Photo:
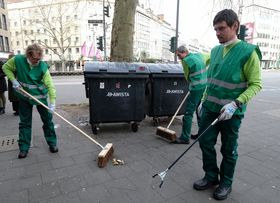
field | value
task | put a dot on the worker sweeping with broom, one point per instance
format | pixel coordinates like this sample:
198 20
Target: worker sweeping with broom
194 66
33 76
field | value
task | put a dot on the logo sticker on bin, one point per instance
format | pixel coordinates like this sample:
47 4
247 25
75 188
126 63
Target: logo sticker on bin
168 91
101 85
117 94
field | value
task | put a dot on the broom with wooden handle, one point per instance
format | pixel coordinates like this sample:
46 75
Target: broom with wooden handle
166 132
106 152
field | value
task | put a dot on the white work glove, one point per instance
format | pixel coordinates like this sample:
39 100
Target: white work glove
16 85
52 107
227 111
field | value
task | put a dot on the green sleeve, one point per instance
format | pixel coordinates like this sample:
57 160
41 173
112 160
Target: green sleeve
186 70
48 82
251 74
206 57
9 68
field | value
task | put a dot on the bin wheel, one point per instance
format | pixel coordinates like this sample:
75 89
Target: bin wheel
134 127
155 121
94 129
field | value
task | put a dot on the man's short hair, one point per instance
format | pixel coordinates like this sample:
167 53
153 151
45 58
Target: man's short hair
182 49
227 15
33 48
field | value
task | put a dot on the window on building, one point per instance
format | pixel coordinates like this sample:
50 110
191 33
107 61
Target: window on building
15 23
77 50
69 40
46 41
24 22
31 32
7 46
4 21
38 31
69 50
26 42
1 26
76 16
16 33
39 41
32 41
1 43
46 51
18 52
2 4
17 43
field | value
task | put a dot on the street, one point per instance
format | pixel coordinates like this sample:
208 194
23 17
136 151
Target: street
72 175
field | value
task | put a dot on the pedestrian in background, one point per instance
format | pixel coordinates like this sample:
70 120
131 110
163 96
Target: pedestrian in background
33 76
194 66
11 94
233 78
3 89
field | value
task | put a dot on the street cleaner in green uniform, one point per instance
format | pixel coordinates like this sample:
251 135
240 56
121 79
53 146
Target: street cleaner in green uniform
194 66
233 78
33 76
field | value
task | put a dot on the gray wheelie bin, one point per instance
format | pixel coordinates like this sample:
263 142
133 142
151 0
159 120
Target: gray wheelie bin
116 92
165 90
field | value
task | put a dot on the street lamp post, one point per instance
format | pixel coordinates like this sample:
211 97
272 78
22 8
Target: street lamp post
176 35
104 31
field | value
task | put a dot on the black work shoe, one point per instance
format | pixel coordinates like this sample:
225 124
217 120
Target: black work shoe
53 149
22 154
221 192
194 137
203 184
180 141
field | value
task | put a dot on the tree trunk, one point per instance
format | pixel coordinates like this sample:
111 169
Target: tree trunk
123 30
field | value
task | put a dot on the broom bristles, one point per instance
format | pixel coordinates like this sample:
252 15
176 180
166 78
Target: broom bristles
166 133
105 155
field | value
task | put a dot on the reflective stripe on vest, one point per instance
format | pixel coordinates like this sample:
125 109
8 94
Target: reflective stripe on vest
198 72
227 85
33 86
194 83
218 101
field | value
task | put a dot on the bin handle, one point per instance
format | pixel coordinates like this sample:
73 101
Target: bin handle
102 70
132 71
164 71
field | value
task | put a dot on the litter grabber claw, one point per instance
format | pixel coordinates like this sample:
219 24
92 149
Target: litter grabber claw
164 173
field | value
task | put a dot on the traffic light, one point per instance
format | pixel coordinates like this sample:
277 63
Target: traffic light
100 43
106 11
243 32
172 44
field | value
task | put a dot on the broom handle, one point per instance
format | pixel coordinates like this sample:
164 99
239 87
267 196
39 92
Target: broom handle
178 109
21 89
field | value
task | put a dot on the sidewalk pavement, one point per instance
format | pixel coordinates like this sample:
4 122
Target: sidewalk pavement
72 174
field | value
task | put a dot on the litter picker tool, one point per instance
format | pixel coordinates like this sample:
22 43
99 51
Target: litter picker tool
163 173
106 152
166 132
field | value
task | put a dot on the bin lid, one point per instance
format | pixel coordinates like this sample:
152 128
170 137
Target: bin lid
115 67
165 68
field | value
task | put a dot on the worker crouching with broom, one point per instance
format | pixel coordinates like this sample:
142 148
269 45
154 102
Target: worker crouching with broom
194 66
33 76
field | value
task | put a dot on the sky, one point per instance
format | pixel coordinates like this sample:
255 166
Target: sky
195 19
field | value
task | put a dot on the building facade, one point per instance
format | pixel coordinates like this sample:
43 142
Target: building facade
69 30
4 31
263 29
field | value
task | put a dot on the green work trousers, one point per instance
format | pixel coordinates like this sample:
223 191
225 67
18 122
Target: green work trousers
192 102
25 125
229 134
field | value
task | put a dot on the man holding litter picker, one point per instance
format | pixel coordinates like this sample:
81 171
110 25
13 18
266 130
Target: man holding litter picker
33 76
233 78
194 65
